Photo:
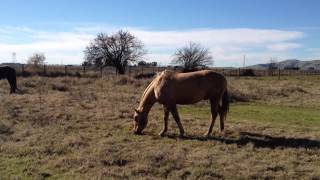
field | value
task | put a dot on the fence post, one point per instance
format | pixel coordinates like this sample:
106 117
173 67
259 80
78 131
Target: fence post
141 69
65 70
101 71
129 69
279 74
44 70
84 69
22 68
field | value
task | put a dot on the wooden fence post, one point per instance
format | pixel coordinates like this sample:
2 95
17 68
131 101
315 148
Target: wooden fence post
65 70
44 70
129 71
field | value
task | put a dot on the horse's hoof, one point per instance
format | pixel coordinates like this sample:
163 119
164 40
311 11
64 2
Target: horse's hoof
161 134
137 133
222 133
206 134
181 136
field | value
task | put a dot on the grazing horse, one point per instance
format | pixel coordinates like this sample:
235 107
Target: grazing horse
10 74
170 88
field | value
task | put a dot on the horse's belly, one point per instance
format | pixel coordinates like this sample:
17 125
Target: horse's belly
187 102
191 99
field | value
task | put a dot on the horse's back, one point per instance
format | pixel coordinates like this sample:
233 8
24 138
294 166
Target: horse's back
188 88
7 71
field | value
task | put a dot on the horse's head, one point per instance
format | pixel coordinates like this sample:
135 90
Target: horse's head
140 121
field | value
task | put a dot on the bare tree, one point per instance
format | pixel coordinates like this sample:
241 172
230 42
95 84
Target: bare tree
118 50
192 57
37 59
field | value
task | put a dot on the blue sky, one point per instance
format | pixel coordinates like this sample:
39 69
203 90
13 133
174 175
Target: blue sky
259 29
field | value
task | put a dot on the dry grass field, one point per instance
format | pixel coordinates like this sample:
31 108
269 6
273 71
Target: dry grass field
80 128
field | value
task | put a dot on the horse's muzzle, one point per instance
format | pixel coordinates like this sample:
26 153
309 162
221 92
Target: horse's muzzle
137 131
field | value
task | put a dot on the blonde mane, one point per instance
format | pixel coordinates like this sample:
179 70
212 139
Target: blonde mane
147 89
150 85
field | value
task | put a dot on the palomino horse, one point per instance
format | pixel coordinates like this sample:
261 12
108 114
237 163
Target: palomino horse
170 88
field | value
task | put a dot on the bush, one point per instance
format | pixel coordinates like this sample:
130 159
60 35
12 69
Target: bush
4 129
24 74
123 80
237 96
144 76
248 72
59 87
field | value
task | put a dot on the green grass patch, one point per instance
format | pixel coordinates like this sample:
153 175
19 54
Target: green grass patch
292 116
14 168
276 114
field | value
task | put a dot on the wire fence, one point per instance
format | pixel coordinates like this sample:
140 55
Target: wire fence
143 71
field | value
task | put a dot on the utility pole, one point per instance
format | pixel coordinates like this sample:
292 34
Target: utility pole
279 71
14 57
244 61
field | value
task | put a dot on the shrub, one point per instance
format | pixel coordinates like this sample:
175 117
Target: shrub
59 87
248 72
145 75
4 129
237 96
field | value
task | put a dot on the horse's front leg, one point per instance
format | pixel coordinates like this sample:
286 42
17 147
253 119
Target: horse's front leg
165 119
175 114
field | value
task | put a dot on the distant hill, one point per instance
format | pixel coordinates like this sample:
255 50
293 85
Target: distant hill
291 64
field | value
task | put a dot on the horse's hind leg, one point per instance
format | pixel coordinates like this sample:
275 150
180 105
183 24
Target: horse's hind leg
175 114
12 85
221 115
165 118
214 113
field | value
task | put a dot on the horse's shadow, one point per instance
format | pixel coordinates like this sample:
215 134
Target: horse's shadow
259 141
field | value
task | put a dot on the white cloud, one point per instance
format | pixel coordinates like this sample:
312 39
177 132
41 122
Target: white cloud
283 46
226 45
216 36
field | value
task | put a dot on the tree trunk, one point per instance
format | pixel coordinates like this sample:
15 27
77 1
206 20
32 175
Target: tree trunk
121 69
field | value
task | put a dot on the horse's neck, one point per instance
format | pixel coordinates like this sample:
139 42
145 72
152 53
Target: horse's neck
147 101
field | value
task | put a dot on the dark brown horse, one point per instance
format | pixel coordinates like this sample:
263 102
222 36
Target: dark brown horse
10 74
